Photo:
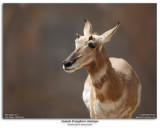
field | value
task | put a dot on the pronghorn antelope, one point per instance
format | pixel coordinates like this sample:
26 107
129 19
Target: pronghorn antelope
112 88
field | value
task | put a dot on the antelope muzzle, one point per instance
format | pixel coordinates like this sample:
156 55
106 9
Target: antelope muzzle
70 61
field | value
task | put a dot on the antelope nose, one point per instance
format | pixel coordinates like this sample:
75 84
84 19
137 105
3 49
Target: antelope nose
67 64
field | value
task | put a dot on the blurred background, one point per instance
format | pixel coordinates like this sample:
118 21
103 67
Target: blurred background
38 37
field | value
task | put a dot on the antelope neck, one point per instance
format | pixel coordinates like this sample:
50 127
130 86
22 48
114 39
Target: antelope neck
99 68
101 71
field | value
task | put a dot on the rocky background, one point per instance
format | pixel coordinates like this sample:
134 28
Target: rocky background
38 37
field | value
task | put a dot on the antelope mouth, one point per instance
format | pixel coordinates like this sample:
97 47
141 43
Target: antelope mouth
68 69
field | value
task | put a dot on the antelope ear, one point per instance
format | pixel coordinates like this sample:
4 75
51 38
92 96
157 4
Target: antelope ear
106 37
87 28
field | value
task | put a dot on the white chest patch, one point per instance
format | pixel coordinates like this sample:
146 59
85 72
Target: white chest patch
107 109
86 95
102 109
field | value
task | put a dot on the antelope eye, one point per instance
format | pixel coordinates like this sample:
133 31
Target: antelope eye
92 45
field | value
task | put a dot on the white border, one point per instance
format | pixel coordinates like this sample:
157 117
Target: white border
55 123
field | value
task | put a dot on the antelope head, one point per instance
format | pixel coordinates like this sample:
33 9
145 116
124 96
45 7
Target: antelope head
86 47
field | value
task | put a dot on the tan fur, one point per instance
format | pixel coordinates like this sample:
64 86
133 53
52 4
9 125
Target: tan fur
100 97
115 85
